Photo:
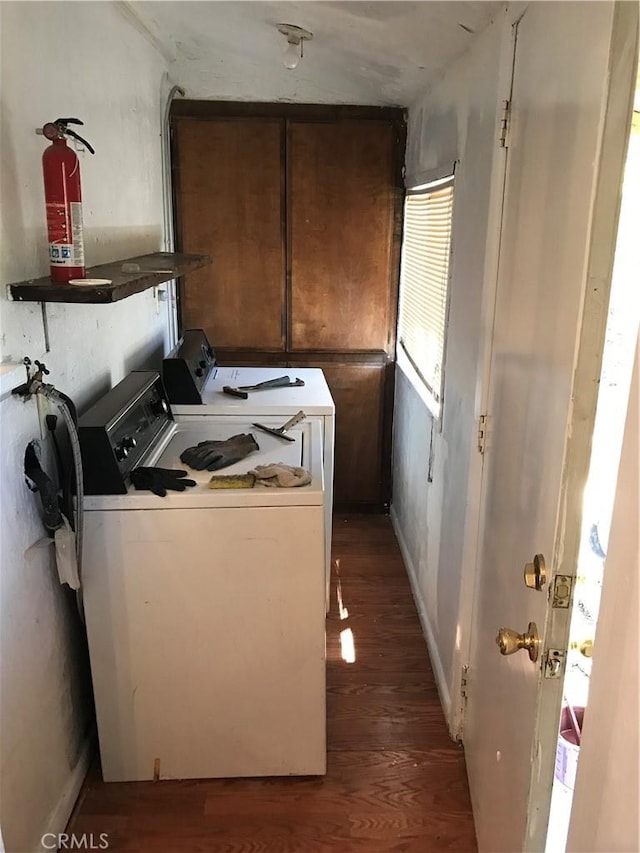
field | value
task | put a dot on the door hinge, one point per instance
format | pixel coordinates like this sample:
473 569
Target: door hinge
562 586
505 124
482 432
464 684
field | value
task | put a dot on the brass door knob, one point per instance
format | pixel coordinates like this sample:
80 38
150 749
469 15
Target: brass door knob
510 641
535 573
585 647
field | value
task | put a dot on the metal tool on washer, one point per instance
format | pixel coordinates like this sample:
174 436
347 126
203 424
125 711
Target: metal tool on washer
280 382
279 432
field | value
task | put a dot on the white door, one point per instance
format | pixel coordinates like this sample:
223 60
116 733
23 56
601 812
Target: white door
548 339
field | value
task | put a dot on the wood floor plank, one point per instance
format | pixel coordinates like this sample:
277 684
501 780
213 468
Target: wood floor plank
395 781
414 684
371 659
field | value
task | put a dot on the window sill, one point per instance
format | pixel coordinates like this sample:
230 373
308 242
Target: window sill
418 385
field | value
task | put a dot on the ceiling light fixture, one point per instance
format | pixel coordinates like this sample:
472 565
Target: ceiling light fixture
295 48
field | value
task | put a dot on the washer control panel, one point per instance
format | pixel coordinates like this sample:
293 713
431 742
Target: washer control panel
120 430
187 368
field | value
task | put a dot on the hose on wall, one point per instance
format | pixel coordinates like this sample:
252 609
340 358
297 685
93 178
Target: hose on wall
68 411
35 386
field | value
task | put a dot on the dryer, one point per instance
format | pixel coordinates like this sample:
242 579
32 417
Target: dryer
195 381
204 609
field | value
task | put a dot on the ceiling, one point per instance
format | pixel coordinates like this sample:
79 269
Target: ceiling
385 53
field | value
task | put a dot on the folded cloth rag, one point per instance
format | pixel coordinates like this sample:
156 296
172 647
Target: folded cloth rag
214 455
281 475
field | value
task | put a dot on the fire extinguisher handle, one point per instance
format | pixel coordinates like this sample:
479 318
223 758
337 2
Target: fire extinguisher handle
77 136
68 121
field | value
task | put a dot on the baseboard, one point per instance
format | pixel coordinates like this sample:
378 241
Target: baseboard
59 817
427 630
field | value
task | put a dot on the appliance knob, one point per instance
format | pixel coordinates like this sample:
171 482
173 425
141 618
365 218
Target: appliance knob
202 363
128 442
159 406
198 371
121 453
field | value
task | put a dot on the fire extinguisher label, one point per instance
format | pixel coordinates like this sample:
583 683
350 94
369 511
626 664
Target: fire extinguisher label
66 246
76 234
57 224
60 254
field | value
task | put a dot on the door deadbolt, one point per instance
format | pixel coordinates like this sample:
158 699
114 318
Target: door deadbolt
535 573
510 641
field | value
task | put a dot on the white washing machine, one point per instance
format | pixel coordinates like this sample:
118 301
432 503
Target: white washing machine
204 609
195 386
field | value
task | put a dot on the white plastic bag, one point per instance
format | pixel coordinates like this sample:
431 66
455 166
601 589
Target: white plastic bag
65 543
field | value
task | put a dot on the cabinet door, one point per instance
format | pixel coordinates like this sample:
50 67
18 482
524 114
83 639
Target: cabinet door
358 392
229 180
341 215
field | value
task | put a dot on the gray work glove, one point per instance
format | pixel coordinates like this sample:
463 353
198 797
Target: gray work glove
214 455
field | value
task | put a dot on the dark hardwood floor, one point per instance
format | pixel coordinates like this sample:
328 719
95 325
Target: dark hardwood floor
395 780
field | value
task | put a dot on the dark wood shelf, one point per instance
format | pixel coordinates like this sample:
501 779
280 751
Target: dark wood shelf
154 269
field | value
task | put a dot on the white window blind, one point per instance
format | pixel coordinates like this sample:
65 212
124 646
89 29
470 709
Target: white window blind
424 280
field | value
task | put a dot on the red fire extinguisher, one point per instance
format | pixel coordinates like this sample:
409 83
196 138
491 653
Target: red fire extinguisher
63 198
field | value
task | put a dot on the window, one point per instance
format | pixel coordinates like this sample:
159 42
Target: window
424 284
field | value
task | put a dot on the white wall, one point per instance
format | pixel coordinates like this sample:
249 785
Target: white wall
455 121
61 59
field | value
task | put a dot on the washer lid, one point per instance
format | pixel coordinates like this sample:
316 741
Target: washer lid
271 450
305 451
314 397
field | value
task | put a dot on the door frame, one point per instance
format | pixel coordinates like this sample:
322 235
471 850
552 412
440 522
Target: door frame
604 813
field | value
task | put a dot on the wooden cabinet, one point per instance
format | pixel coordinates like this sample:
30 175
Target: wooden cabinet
341 185
358 390
230 204
301 209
